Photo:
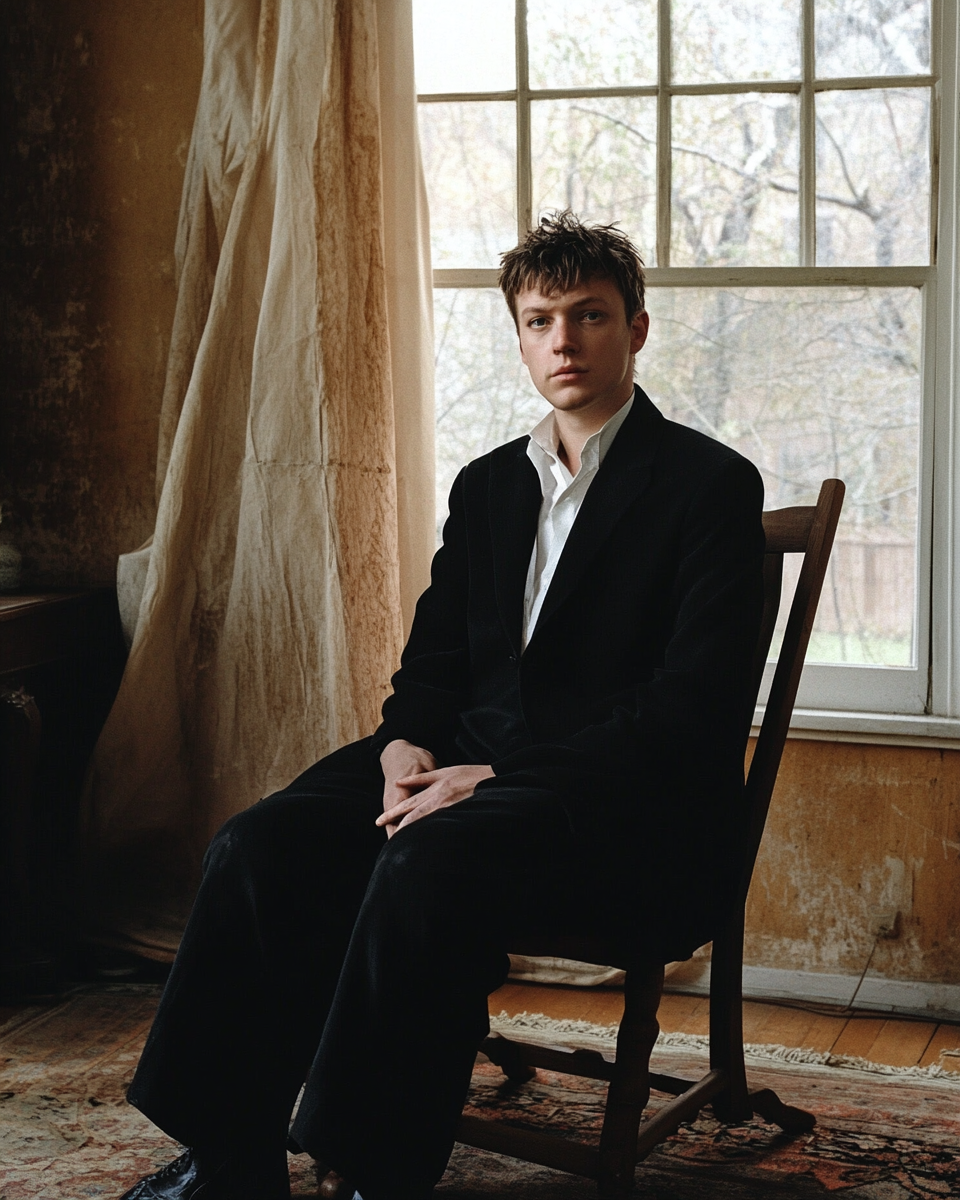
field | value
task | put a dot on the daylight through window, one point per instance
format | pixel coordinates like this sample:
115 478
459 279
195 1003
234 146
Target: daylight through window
774 160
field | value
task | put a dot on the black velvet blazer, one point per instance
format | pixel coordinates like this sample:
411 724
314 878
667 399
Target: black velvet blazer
632 698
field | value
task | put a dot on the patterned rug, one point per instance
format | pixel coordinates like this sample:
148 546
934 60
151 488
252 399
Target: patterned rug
66 1132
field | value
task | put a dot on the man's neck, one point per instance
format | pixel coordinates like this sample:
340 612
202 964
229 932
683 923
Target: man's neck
573 429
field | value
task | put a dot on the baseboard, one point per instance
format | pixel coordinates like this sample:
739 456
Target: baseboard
909 998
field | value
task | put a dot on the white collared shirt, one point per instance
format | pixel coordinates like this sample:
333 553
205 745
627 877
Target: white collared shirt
563 494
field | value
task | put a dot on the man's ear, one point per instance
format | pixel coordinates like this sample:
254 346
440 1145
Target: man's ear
639 328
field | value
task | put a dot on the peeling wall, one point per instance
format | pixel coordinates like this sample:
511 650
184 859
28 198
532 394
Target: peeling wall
99 97
98 100
856 831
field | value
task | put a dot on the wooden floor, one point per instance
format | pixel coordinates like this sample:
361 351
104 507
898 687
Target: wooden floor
896 1042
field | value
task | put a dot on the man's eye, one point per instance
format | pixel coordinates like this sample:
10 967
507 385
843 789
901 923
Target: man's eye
538 322
591 316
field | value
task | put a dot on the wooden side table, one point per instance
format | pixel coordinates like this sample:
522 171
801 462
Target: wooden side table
61 654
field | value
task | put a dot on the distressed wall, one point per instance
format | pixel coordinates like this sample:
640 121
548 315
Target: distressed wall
854 830
99 97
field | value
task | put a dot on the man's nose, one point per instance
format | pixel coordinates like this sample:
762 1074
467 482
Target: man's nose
564 339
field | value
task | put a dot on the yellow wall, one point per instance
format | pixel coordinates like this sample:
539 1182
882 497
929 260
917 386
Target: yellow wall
854 829
103 97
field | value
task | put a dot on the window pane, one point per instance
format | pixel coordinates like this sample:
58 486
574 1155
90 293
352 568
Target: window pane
873 177
812 384
735 178
469 159
460 46
592 45
598 157
484 394
730 40
872 37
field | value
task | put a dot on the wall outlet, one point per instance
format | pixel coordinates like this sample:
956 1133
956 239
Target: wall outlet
885 922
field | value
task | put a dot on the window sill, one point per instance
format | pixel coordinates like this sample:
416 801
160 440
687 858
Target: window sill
885 729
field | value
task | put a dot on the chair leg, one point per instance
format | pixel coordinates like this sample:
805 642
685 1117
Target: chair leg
732 1105
508 1056
767 1104
736 1103
629 1088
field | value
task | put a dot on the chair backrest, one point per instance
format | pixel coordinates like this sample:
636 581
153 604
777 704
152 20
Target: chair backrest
808 531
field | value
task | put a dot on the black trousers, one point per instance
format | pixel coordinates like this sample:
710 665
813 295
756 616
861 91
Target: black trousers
319 952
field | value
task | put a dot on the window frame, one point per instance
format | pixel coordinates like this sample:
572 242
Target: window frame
898 704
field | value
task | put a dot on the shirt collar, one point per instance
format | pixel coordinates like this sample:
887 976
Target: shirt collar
542 449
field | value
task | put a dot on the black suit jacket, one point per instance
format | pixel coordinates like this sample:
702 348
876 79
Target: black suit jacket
632 699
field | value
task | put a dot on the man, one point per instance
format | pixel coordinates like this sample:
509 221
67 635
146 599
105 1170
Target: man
563 752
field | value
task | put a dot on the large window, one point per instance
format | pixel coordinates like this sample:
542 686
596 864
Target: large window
778 164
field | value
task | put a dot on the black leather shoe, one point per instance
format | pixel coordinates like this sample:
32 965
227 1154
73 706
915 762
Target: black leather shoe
189 1177
335 1187
178 1180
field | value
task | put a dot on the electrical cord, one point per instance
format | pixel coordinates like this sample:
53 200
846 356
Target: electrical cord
863 975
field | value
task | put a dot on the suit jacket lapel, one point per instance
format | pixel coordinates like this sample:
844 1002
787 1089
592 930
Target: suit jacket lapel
514 507
623 475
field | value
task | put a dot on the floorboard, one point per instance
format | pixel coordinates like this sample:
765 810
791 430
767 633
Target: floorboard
858 1036
943 1048
676 1013
823 1032
902 1043
892 1041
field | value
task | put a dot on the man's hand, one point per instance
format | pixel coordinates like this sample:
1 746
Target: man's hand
427 791
401 760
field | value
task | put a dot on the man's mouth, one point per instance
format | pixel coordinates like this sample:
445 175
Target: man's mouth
569 371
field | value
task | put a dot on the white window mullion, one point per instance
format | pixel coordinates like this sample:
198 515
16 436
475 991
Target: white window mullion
945 633
808 141
524 168
727 277
937 64
664 135
864 83
926 619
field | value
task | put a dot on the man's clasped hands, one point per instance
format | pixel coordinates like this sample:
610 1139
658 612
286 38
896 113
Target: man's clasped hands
413 784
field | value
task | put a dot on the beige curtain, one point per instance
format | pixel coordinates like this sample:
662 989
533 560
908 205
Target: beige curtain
295 519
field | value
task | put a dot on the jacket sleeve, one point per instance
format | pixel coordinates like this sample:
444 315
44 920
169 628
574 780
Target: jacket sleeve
432 682
695 707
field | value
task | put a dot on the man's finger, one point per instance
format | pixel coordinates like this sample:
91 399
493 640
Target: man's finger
392 815
421 779
399 810
420 810
418 806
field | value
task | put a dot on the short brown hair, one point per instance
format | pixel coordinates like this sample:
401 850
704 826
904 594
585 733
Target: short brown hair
562 253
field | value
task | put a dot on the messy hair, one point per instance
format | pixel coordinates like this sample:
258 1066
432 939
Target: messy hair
562 252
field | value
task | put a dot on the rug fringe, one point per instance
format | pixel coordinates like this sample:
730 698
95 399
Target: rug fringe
537 1027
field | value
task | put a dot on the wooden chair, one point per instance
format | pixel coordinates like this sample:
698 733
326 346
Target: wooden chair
624 1142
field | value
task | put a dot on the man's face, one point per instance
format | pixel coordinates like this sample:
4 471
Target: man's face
578 346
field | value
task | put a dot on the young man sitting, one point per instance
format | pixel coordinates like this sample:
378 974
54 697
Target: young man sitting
562 752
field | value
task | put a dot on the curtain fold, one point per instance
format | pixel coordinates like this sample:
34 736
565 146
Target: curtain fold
409 301
295 524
